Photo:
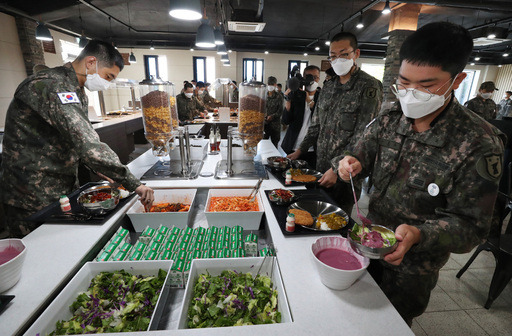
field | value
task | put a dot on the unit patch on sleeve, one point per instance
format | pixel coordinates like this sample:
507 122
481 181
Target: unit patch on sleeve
68 97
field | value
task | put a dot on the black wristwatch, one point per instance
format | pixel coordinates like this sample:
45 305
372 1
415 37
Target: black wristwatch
286 98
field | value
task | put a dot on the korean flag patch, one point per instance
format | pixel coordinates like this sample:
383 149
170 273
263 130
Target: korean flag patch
68 97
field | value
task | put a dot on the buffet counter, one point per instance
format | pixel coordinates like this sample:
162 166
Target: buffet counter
56 252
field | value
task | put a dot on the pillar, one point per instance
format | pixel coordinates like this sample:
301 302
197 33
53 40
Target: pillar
30 47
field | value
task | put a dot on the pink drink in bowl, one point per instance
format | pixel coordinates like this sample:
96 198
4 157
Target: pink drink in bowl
338 265
12 255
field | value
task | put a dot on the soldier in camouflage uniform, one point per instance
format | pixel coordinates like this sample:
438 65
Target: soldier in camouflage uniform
345 106
482 104
204 96
188 105
274 109
47 133
435 167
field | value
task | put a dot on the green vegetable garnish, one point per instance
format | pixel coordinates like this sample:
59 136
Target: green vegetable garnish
375 238
233 299
115 302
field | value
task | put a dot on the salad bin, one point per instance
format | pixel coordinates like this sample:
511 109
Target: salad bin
59 308
269 267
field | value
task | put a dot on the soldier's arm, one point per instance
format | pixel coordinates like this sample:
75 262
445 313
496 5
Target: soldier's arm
70 121
466 219
276 110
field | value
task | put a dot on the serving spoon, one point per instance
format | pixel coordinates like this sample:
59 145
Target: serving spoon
366 222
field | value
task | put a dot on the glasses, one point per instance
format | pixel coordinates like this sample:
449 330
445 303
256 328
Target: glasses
421 93
344 55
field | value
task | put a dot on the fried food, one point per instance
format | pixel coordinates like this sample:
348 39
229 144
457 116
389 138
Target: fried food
302 217
304 178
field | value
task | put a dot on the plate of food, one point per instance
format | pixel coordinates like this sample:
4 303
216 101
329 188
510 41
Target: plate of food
282 196
373 242
304 175
318 216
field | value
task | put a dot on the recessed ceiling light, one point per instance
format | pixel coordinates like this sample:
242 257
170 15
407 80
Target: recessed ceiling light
266 52
186 9
327 42
472 64
317 48
477 58
230 51
499 66
305 54
505 54
491 36
191 49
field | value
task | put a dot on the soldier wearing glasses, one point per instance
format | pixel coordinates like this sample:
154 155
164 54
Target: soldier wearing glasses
346 105
435 167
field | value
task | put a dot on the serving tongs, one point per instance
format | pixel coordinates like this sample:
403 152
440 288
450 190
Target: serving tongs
270 248
255 190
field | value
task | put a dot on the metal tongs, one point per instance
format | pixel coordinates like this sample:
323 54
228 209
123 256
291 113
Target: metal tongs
271 249
254 191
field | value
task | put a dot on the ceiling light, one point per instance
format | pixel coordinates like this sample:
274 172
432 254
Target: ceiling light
152 46
230 51
228 63
305 54
477 58
185 9
386 9
491 36
205 37
132 58
327 42
83 41
360 24
317 48
191 49
224 58
505 54
266 52
43 33
219 39
384 58
472 64
499 66
221 50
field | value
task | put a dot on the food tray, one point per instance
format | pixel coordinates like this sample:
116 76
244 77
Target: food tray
215 267
280 174
281 211
140 219
52 212
59 308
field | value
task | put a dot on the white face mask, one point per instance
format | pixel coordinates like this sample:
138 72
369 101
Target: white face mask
342 66
271 88
200 92
95 82
415 108
486 95
312 87
189 94
193 86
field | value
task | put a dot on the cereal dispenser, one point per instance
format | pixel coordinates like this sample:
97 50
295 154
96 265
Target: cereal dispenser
251 119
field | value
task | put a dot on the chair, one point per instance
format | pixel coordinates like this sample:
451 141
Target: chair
499 244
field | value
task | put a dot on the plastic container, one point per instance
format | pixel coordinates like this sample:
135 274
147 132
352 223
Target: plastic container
10 271
251 119
156 98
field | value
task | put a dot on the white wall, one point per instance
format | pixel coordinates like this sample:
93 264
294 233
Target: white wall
12 67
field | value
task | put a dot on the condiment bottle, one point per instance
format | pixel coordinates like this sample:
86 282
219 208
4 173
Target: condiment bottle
212 141
290 223
65 206
288 177
217 139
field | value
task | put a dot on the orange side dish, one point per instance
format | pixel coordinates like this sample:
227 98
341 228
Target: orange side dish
169 207
232 204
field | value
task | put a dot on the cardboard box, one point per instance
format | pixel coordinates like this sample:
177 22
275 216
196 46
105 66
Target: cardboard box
244 265
59 308
140 219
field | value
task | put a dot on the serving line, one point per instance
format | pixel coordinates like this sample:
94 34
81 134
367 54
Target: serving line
56 252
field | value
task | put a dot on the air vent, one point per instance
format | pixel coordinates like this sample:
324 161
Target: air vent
484 41
246 27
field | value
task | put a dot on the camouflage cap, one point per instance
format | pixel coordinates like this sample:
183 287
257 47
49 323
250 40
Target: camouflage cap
488 86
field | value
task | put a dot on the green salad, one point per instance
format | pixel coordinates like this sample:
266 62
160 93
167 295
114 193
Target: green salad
233 299
115 302
376 238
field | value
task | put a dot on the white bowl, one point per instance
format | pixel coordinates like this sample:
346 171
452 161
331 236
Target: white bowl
335 278
10 271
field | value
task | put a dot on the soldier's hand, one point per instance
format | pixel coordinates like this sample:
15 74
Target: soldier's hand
295 155
146 195
328 179
406 236
287 92
349 164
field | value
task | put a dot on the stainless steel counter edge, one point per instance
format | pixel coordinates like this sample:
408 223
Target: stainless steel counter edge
53 251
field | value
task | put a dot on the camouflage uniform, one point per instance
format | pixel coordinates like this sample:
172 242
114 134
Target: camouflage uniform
43 143
505 108
341 113
274 109
207 100
188 108
485 108
443 181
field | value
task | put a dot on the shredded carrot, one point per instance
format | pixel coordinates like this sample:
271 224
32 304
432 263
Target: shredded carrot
169 207
233 204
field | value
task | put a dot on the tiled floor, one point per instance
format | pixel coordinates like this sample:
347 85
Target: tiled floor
456 306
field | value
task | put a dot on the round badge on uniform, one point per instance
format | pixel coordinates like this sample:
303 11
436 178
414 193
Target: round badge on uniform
433 189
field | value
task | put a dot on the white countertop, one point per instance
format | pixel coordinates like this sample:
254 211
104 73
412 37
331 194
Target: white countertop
99 123
53 251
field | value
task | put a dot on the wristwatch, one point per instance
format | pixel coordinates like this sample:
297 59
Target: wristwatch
286 98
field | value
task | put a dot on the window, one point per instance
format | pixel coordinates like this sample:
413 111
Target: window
301 64
376 70
200 69
253 69
151 67
70 51
468 87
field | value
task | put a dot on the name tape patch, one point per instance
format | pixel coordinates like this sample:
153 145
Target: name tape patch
68 97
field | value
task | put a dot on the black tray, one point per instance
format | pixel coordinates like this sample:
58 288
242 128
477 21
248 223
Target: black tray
52 211
281 211
278 174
